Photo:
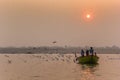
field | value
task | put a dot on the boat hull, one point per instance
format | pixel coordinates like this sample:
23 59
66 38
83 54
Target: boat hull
88 60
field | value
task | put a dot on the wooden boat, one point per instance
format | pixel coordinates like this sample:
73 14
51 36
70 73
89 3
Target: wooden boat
88 59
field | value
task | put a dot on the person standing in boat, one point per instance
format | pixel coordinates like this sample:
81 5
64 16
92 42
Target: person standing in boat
91 51
87 52
82 53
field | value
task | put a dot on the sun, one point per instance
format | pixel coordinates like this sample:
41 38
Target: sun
88 15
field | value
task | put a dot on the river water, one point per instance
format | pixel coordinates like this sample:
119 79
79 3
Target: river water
57 67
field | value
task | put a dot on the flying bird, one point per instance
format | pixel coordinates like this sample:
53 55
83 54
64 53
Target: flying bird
54 42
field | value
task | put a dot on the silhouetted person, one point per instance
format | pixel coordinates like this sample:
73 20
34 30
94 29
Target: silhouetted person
87 52
91 51
82 53
95 54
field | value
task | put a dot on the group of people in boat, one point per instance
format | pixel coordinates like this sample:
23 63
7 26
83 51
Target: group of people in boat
88 52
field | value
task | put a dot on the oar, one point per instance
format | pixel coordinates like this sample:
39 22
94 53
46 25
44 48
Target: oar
75 58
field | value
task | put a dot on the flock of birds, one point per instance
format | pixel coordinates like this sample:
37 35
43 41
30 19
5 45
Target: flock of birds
49 58
56 57
45 57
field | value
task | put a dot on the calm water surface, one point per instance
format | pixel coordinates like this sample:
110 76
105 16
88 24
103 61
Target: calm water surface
57 67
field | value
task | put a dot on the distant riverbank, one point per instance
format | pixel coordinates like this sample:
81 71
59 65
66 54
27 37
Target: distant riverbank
50 50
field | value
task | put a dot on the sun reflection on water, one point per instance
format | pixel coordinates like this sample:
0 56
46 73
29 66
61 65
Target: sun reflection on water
86 72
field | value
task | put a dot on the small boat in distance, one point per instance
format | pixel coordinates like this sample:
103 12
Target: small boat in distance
87 59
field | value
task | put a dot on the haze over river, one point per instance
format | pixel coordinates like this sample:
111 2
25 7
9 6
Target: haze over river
57 67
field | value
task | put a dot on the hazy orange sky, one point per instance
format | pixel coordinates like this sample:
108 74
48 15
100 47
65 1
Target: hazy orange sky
40 22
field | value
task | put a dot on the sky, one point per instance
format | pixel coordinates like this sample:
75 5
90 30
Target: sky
69 22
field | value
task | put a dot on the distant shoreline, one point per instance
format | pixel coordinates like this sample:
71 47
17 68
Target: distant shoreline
50 50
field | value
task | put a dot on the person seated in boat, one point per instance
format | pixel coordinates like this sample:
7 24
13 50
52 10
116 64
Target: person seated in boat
95 54
82 53
87 52
91 51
